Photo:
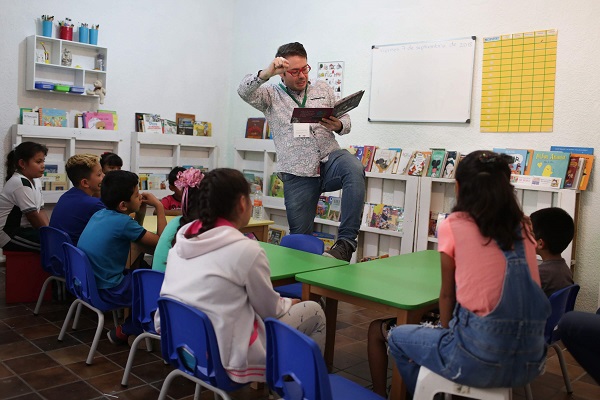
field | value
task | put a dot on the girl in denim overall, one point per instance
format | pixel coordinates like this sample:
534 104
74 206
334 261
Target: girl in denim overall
495 335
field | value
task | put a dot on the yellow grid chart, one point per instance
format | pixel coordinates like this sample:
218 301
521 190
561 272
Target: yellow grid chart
518 80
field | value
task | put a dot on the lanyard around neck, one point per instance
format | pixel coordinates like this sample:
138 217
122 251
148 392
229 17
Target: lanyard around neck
293 98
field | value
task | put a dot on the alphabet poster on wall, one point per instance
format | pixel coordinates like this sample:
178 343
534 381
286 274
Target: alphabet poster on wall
518 81
332 72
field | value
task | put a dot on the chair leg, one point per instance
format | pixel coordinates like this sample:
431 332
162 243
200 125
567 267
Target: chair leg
149 344
36 311
528 394
197 392
129 364
76 304
165 387
99 329
563 367
77 314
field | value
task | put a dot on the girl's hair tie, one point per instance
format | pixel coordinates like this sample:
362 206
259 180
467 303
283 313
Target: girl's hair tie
190 178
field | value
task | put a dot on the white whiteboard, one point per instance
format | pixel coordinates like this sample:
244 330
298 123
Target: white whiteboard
422 81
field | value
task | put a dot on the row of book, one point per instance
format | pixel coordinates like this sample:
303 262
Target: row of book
329 207
560 167
383 216
185 124
55 117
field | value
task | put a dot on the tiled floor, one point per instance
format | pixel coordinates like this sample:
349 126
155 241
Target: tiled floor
34 365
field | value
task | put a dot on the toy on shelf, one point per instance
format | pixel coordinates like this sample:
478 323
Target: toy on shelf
98 91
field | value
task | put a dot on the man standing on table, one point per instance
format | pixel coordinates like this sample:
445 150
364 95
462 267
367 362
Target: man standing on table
309 158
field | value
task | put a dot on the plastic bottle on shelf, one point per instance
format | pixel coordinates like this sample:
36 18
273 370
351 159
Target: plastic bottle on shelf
99 62
257 207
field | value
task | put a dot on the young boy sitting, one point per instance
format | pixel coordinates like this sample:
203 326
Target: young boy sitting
75 208
172 202
553 229
108 237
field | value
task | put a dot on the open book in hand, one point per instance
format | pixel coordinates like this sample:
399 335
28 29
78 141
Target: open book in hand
341 107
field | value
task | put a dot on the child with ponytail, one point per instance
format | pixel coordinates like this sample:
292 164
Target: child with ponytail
215 268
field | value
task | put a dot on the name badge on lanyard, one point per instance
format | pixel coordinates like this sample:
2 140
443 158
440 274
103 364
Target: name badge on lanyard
300 130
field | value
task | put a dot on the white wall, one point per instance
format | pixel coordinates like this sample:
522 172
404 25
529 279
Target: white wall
339 30
189 56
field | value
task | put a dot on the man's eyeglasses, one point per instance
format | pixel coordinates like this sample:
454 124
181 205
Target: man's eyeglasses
296 71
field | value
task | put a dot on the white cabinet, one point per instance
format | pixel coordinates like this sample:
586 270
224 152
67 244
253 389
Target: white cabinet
63 143
153 153
80 73
437 195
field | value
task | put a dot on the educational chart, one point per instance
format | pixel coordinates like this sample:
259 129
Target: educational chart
332 72
517 88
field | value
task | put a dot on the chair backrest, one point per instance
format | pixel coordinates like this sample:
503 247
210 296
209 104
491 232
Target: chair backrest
188 342
562 301
308 243
296 369
146 284
52 253
80 279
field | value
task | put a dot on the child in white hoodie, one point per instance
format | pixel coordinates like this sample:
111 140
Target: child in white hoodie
218 270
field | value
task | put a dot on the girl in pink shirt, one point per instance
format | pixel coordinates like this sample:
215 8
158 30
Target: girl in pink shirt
492 309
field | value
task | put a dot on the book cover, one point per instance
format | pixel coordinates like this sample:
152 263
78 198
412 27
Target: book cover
550 164
383 161
54 181
528 162
367 158
152 123
579 173
254 128
519 159
396 218
169 127
376 215
335 208
268 131
115 118
432 226
571 172
185 123
327 238
98 120
275 186
385 220
348 103
30 118
450 164
143 182
52 117
405 157
357 151
275 235
419 163
438 156
322 207
310 115
571 149
202 128
587 170
366 214
394 168
139 122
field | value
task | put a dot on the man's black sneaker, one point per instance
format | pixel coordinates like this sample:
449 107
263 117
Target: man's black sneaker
342 250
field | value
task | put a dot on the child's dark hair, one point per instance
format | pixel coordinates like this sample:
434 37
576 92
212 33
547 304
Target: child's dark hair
217 196
80 167
25 151
485 192
117 186
173 174
291 49
111 160
554 226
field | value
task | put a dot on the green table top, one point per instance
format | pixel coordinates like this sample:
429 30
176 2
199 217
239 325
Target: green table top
286 262
408 281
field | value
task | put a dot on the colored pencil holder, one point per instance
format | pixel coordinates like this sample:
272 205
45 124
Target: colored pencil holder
66 32
47 28
93 36
84 34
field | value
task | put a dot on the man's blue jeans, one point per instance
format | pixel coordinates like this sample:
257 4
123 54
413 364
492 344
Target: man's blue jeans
341 171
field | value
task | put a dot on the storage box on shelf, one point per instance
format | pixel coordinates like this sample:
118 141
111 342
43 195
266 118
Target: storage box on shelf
153 153
80 74
63 143
437 195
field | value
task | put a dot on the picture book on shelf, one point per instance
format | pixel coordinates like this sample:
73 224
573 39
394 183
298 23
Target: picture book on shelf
322 207
452 157
438 156
376 215
572 172
550 164
571 149
275 186
519 159
185 123
366 214
327 238
275 235
335 208
419 163
394 168
115 118
54 181
586 171
98 120
169 127
403 161
29 117
314 115
52 117
202 128
152 123
368 156
255 128
357 151
383 161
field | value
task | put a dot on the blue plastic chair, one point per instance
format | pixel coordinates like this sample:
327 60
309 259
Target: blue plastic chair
307 243
146 285
188 342
52 254
296 369
80 280
562 302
